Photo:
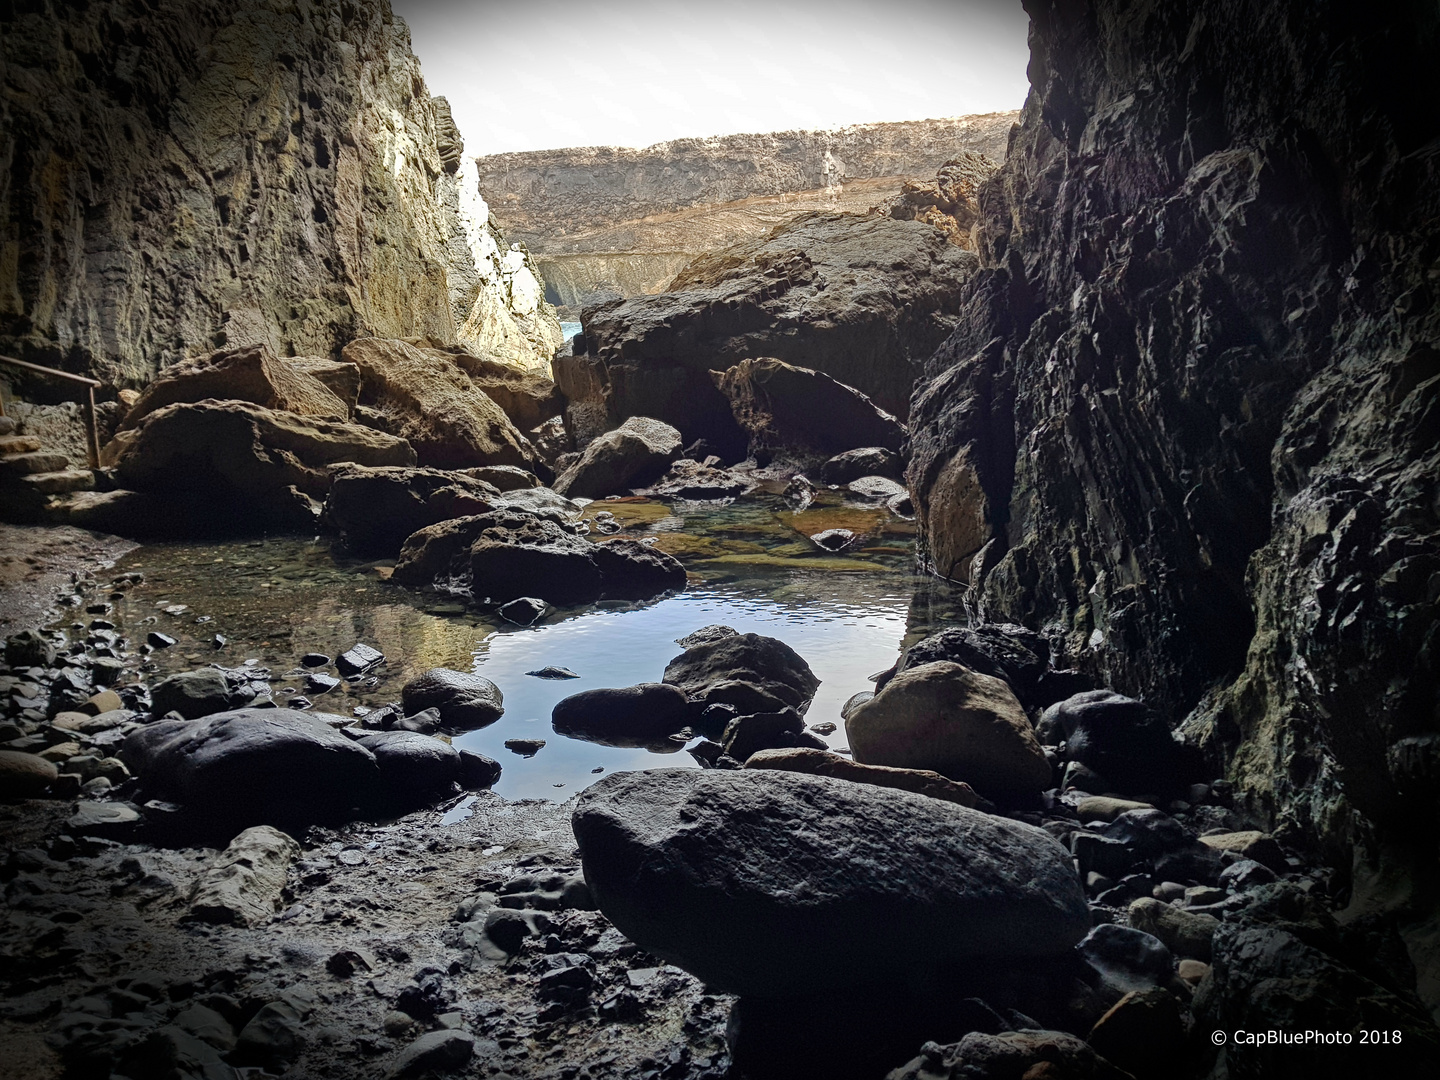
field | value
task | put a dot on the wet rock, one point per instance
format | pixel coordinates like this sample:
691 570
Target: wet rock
157 640
1013 653
1249 844
1104 808
1011 1055
634 454
825 763
477 772
533 558
415 769
192 694
250 373
526 748
835 540
1143 1033
462 699
423 396
508 928
550 671
1121 739
962 724
1126 959
254 766
242 887
632 716
104 820
29 648
801 413
750 671
1244 875
737 876
690 481
358 659
866 461
1148 832
435 1051
377 509
799 493
242 460
745 735
24 776
523 610
316 684
875 489
1185 933
546 892
631 570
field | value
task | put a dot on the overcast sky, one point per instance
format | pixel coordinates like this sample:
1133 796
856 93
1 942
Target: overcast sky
543 74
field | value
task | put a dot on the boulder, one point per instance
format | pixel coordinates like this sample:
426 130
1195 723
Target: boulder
463 700
192 694
439 554
478 772
775 884
1011 1055
802 414
423 396
632 570
254 462
527 397
415 769
691 481
1125 959
377 509
504 477
254 767
750 671
631 456
243 885
1013 653
958 722
828 763
865 461
1185 933
861 298
746 735
642 715
24 776
1250 844
1120 738
251 373
534 558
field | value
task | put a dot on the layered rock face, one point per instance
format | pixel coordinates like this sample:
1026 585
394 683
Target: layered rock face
184 175
606 222
1188 421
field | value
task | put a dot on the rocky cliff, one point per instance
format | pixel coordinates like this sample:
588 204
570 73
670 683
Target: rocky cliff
1190 422
608 222
184 174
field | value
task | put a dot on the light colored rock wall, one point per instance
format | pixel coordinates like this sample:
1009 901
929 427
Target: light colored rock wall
210 172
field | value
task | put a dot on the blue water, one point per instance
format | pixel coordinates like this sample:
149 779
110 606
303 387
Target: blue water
569 329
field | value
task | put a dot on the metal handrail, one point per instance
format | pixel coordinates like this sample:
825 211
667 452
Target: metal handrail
90 385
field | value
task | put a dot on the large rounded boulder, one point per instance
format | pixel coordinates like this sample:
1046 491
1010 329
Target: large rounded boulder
958 722
777 884
463 700
752 672
255 767
642 715
1122 739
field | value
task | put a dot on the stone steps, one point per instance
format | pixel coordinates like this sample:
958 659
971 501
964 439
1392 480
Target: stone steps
19 444
35 461
59 481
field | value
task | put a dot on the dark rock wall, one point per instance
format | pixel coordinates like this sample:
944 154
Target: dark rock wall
181 174
1190 421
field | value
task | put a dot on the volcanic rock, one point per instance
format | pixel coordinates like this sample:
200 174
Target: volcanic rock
631 456
779 884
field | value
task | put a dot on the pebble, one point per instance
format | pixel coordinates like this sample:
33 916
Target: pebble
436 1051
156 640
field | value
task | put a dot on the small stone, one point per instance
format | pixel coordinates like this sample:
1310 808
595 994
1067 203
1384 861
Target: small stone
316 684
835 540
823 728
25 776
1249 844
552 672
1167 891
1244 875
397 1024
478 772
156 640
347 962
243 886
103 702
108 821
1185 933
1192 971
1104 808
358 659
314 660
219 641
1203 895
525 747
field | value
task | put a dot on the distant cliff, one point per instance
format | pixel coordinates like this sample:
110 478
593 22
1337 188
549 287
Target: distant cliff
181 174
605 222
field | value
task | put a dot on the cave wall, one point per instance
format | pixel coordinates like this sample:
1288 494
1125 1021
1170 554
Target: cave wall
181 174
1190 420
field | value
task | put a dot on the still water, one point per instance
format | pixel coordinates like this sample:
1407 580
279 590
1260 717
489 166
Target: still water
750 565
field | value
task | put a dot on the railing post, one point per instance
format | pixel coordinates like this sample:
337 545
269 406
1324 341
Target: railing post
94 429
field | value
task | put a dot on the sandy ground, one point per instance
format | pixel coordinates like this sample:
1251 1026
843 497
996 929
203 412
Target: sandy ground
37 560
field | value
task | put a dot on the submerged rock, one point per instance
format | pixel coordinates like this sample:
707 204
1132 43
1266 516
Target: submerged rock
958 722
779 884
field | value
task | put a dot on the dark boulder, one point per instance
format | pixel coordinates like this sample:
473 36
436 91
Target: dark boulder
376 509
642 715
415 769
193 694
254 767
534 558
632 570
1120 738
779 884
1013 653
633 455
478 772
463 700
750 671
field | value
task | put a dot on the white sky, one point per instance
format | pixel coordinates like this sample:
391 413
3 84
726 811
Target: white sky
544 74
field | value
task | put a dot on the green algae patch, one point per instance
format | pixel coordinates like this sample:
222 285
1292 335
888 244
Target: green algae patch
857 519
642 512
773 559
